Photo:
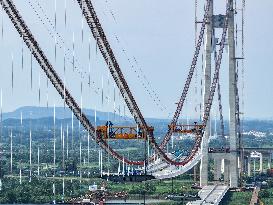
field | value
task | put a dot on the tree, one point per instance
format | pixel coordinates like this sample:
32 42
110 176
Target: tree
264 194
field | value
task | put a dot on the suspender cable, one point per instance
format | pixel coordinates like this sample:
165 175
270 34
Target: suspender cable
11 152
102 94
73 51
80 140
39 88
95 116
67 141
22 55
195 27
54 150
65 13
2 22
1 133
38 161
243 62
80 153
1 120
82 25
30 154
63 146
55 27
108 119
89 62
31 70
12 72
21 150
114 108
88 149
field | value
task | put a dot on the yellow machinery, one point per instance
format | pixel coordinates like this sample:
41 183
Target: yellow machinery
109 131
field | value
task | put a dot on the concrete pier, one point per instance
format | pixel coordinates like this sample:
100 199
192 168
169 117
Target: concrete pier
226 170
217 168
261 163
249 166
269 161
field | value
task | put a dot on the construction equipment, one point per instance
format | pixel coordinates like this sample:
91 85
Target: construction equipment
108 131
187 129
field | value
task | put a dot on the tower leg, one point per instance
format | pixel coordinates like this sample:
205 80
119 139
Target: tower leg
232 101
208 50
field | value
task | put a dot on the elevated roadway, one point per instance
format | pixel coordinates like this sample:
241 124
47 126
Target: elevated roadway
210 195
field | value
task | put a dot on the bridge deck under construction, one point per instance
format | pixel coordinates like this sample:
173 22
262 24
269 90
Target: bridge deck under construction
210 195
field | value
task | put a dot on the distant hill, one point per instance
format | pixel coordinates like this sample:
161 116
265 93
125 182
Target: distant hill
32 112
44 115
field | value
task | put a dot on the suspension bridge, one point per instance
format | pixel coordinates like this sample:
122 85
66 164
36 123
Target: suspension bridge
61 65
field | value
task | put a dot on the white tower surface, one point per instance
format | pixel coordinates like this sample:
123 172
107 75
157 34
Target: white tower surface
207 83
232 101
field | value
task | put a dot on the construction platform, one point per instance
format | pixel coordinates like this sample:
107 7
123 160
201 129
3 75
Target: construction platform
210 195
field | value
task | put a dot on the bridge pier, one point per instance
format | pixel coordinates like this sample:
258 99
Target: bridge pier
217 168
226 171
269 160
261 163
244 168
248 166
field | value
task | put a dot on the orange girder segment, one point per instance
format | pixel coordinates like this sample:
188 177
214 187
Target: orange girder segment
121 132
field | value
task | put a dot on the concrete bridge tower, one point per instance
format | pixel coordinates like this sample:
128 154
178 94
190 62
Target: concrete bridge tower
207 83
233 132
231 159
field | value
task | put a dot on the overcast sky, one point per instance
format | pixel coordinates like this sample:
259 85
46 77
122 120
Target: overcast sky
159 34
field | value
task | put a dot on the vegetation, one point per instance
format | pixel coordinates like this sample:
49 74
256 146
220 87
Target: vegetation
161 188
235 198
266 195
40 189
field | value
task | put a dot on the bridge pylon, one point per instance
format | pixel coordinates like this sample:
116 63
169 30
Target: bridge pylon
207 83
231 158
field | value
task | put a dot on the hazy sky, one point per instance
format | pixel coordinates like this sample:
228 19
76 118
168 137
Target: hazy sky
159 34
